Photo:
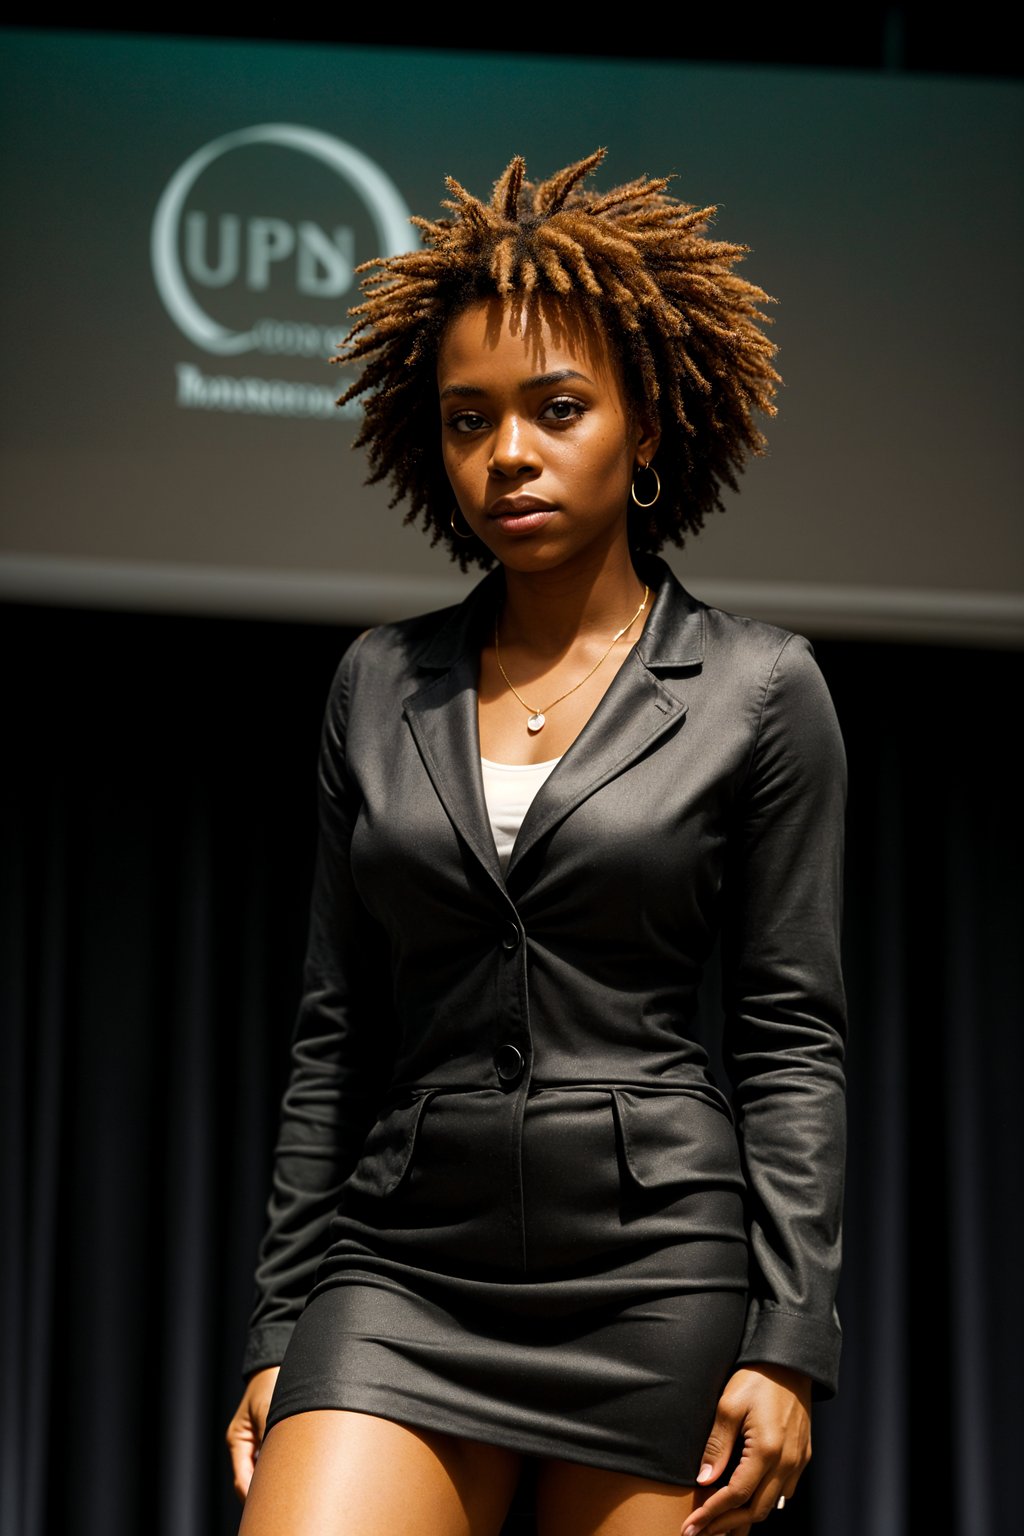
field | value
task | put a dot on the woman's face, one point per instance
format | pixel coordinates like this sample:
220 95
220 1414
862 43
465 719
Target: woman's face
538 440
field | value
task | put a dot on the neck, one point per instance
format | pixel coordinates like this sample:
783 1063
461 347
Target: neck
548 610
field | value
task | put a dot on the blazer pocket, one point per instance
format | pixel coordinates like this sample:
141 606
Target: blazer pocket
387 1150
676 1138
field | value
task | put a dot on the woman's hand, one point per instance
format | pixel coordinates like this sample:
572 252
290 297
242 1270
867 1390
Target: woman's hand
245 1432
768 1409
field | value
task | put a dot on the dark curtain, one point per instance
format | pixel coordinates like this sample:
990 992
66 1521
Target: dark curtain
157 833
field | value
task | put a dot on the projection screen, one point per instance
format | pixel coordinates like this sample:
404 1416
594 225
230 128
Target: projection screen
183 223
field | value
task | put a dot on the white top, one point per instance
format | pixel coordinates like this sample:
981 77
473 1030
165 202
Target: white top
509 789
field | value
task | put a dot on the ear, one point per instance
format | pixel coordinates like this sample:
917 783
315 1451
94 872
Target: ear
649 437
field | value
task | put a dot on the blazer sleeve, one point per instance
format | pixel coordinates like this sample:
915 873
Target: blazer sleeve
785 1018
338 1055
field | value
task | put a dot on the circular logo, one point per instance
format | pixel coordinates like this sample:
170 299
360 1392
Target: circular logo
260 244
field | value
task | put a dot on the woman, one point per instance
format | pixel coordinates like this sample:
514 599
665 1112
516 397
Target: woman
513 1216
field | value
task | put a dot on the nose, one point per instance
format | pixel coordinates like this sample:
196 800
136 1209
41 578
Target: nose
513 448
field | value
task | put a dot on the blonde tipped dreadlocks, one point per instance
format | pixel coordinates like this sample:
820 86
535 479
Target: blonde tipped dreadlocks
685 328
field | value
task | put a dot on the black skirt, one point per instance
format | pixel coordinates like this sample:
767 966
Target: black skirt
578 1316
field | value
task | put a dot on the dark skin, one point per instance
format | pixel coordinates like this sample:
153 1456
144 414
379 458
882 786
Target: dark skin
540 445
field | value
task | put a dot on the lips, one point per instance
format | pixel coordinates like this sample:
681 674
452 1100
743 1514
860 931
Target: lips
518 506
520 514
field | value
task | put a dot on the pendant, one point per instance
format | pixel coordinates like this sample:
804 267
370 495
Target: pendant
535 723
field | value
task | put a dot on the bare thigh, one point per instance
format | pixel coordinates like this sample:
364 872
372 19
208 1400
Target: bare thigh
334 1473
589 1501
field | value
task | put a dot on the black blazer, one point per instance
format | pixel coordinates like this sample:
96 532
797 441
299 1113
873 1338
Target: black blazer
703 798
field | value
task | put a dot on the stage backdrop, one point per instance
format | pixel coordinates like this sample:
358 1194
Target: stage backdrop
184 220
157 822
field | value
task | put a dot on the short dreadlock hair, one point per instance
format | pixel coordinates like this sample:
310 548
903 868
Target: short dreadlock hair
638 262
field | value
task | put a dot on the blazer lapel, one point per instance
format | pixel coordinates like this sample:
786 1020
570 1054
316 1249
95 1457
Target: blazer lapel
636 712
442 716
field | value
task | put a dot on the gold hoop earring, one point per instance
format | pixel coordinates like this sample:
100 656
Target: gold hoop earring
458 535
657 486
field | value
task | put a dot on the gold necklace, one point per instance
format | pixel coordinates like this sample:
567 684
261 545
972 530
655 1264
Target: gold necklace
538 717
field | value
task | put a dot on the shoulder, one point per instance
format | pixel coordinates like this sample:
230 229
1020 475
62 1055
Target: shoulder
743 657
406 644
793 723
688 635
391 659
397 652
754 682
753 648
775 668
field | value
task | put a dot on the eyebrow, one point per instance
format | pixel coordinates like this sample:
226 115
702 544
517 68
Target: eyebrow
538 381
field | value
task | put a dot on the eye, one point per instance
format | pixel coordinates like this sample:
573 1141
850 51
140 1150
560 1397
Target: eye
466 421
564 409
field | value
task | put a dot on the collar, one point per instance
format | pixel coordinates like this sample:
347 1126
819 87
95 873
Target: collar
674 635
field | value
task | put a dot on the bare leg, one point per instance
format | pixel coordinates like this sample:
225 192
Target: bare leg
573 1500
335 1473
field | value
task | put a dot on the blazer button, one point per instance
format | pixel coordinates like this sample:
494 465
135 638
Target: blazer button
510 936
509 1062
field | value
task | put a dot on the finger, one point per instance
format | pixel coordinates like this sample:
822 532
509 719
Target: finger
757 1496
725 1502
778 1481
245 1433
243 1463
735 1524
762 1502
718 1449
243 1440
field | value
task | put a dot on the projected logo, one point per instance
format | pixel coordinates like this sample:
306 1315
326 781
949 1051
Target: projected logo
254 244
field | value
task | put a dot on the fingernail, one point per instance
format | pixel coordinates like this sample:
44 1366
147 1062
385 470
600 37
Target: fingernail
706 1473
691 1530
